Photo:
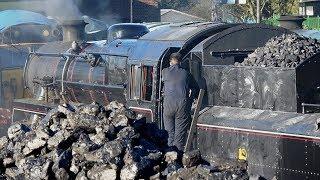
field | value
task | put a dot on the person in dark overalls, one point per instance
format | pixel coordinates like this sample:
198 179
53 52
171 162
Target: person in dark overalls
179 91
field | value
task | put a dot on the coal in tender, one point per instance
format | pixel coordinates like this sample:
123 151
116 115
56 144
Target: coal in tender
91 141
286 51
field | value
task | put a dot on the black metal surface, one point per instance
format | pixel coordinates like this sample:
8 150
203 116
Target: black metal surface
145 50
33 105
179 31
88 93
279 144
251 87
202 35
308 83
270 157
291 22
126 31
235 43
262 120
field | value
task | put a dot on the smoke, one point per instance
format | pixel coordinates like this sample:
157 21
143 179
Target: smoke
75 9
62 10
100 9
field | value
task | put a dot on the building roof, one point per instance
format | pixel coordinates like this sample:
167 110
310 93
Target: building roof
172 15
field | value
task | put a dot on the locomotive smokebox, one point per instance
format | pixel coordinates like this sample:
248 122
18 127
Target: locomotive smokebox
73 30
291 22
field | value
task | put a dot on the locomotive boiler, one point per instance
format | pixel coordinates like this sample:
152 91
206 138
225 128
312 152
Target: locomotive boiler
20 32
257 114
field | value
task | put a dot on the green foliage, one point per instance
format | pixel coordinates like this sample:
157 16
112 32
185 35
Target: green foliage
311 23
268 8
273 21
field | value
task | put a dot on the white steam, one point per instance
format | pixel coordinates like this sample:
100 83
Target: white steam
62 10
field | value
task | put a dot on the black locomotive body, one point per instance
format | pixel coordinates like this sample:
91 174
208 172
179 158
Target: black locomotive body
249 113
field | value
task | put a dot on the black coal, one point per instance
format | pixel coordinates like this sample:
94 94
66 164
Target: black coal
96 142
288 50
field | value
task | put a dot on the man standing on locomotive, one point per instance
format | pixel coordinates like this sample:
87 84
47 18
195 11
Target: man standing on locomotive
179 91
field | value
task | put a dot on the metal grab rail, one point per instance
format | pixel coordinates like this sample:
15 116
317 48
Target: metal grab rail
306 105
81 55
64 74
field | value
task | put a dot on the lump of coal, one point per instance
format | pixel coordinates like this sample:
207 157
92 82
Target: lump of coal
61 174
184 173
3 142
288 50
101 172
205 169
129 172
33 145
85 142
191 159
17 130
171 156
172 167
81 176
13 173
58 138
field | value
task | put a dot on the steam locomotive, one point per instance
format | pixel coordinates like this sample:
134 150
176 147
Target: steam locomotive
249 113
20 32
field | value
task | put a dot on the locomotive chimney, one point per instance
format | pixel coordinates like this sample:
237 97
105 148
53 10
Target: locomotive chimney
291 22
73 30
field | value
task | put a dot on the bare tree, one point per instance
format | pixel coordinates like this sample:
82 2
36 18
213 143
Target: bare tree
202 8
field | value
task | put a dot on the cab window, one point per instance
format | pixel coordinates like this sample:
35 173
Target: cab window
135 76
141 82
147 81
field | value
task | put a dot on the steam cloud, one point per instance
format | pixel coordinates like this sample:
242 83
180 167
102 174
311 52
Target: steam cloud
75 9
62 10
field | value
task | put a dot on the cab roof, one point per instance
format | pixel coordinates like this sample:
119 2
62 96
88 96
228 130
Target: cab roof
178 31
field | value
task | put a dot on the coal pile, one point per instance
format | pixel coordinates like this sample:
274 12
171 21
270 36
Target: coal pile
288 50
94 142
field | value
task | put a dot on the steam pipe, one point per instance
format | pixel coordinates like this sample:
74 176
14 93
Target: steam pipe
25 69
57 54
82 55
64 73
